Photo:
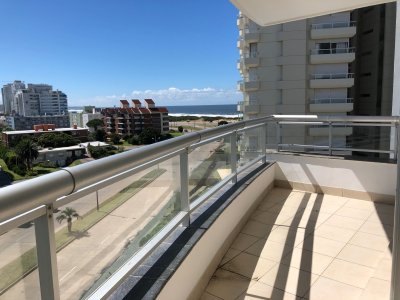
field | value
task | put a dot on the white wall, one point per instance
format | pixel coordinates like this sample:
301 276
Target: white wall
337 173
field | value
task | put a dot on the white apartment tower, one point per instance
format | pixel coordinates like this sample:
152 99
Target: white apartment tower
309 67
34 100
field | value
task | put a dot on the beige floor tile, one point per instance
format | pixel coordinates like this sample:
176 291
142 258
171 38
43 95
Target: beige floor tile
344 222
207 296
370 241
353 213
284 209
349 273
377 229
384 208
227 285
288 235
377 289
322 245
360 255
257 229
267 205
383 218
269 218
243 241
231 253
260 291
277 195
329 206
309 217
269 250
334 233
250 266
307 261
289 279
328 289
359 204
383 270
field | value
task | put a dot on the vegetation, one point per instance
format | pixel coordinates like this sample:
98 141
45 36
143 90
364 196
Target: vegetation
95 124
27 151
100 152
99 135
222 122
115 139
67 214
57 140
180 129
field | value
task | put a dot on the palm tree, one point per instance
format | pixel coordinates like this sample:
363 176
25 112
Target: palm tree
27 151
67 214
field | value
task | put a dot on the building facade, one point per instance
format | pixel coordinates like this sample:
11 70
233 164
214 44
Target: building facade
27 123
33 100
133 120
322 65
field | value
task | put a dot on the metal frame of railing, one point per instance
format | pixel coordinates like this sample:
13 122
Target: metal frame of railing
332 76
342 24
36 199
343 50
331 100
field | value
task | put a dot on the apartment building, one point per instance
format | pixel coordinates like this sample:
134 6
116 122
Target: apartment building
127 120
27 123
337 64
33 99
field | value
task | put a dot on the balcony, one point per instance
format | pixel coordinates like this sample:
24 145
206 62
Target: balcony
338 80
251 107
242 22
332 56
331 105
249 84
334 30
248 60
240 107
275 225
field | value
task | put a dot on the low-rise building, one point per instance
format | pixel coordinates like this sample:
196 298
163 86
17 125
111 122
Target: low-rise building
11 138
127 120
27 123
61 156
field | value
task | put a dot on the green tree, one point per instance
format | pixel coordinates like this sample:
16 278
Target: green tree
222 122
100 135
95 124
27 152
115 138
56 140
67 214
180 129
148 136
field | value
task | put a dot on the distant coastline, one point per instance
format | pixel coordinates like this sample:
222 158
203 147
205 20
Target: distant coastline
222 110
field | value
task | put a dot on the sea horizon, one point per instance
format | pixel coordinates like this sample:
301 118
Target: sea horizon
213 110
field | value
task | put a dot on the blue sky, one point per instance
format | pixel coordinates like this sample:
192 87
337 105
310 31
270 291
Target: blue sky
179 52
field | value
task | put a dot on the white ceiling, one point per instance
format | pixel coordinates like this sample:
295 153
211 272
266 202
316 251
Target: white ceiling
270 12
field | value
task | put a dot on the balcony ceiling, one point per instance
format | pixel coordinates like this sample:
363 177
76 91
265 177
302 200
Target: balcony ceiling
268 12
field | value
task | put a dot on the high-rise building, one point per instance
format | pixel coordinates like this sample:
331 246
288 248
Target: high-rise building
336 64
33 100
8 93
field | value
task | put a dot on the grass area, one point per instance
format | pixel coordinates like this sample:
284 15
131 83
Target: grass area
175 134
20 267
13 176
75 163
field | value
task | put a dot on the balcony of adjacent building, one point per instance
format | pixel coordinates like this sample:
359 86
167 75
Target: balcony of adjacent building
335 80
242 22
333 30
331 105
249 84
248 60
251 107
332 54
270 225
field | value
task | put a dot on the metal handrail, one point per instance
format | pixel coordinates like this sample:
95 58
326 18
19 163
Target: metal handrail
35 199
333 50
333 76
342 24
331 100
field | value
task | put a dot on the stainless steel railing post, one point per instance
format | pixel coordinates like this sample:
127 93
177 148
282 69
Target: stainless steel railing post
234 156
184 186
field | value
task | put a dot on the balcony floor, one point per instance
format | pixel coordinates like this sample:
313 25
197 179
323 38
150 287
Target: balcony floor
300 245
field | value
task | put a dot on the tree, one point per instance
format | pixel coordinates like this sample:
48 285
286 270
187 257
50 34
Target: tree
27 152
222 122
180 129
100 135
148 136
95 124
115 138
56 140
67 214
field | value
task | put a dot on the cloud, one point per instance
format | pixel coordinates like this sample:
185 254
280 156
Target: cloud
176 96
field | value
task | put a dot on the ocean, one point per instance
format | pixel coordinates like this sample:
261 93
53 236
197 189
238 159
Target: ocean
223 110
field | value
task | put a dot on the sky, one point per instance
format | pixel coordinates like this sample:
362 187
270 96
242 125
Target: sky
178 52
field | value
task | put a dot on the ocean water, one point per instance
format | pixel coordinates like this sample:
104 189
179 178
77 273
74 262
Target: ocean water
223 110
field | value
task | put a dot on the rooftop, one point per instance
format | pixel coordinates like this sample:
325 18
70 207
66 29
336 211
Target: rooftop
44 131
